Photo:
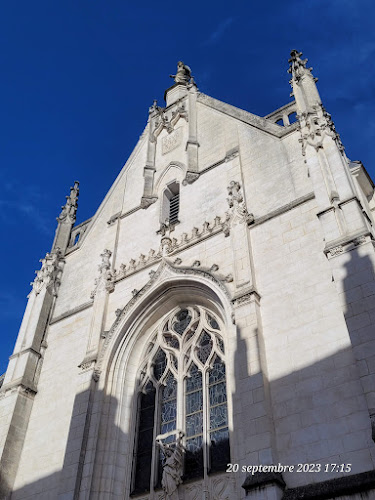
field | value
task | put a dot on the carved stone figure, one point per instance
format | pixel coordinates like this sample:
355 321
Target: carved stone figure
238 211
105 281
183 74
172 468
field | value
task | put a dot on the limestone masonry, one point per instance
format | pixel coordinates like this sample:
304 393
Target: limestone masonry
210 332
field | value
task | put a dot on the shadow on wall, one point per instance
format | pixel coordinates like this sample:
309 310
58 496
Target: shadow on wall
320 414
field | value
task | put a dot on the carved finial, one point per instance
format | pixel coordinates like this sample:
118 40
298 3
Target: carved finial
49 274
297 65
69 210
183 74
153 107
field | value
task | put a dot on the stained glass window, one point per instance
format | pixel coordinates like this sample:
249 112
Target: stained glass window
160 363
219 435
145 439
185 369
204 346
194 423
183 319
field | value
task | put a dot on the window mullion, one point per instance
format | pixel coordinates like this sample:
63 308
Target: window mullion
205 440
155 450
180 396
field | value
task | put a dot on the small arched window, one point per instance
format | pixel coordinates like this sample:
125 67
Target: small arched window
292 117
182 387
171 204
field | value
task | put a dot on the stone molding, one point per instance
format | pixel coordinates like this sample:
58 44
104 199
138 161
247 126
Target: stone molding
347 243
333 488
285 208
20 385
245 297
244 116
261 479
173 246
71 312
165 269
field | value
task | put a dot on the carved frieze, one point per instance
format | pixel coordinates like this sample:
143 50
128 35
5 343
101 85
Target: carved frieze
170 245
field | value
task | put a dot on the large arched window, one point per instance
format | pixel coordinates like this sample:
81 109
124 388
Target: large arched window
182 387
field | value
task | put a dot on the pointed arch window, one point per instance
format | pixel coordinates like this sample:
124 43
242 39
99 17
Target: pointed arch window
182 387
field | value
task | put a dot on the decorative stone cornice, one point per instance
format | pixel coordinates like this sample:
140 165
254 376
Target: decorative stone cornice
171 246
245 297
105 281
347 243
49 275
69 210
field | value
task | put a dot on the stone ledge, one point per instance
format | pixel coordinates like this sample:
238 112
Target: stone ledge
261 479
75 310
283 209
333 488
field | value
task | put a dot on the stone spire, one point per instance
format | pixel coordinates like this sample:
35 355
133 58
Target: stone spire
66 220
324 157
303 83
69 210
315 122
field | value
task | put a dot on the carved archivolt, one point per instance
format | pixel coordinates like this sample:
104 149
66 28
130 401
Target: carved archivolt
166 273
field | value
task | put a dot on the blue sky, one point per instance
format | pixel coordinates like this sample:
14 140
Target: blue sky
77 78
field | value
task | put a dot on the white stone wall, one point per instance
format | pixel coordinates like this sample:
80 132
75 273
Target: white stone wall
297 393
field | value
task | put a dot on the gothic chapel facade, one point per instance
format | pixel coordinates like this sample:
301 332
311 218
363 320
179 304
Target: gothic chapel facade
210 332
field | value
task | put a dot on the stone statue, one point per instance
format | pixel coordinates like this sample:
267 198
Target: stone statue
172 467
183 74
